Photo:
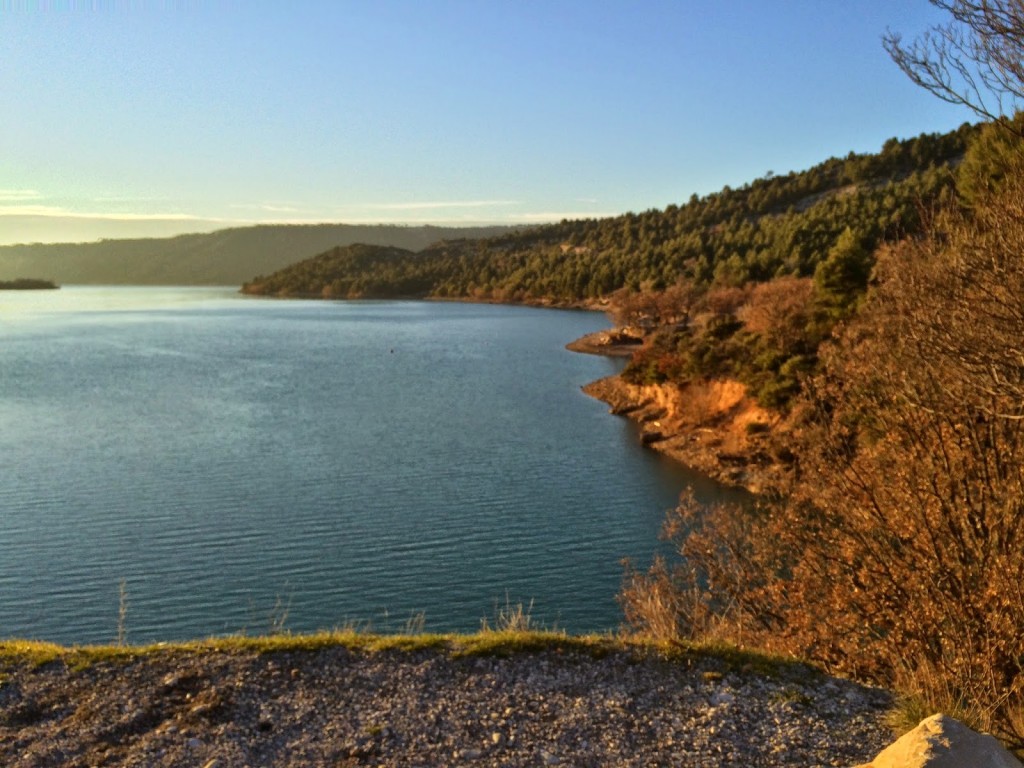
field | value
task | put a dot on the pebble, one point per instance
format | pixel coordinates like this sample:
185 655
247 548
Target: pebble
334 706
718 698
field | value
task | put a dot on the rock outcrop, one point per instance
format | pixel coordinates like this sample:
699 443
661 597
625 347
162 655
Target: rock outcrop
714 427
615 342
942 742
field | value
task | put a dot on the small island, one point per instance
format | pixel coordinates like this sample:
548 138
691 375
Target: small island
27 284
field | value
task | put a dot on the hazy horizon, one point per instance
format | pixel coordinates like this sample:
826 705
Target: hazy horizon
79 230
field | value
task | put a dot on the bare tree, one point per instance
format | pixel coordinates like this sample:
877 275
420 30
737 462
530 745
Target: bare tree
975 60
673 305
780 311
909 518
896 550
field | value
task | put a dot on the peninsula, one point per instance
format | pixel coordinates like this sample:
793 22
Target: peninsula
27 284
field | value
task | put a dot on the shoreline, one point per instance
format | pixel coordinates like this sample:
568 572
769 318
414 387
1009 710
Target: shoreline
712 427
608 343
28 284
585 305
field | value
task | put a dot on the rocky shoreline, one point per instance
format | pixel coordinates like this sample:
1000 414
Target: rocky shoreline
337 706
712 427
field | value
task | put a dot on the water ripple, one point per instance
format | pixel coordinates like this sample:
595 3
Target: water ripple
232 461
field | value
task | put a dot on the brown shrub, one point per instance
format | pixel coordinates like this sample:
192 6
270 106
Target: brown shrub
779 311
898 552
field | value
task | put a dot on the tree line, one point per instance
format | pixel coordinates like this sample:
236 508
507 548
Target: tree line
775 226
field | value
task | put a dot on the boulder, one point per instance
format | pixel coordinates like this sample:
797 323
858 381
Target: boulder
942 742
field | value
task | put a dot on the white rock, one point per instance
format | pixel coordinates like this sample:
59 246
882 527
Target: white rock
721 697
942 742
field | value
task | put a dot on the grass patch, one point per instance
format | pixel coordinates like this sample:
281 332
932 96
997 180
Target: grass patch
511 618
722 658
718 658
36 653
31 652
509 642
486 643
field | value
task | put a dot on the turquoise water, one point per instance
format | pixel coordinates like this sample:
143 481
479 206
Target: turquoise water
243 463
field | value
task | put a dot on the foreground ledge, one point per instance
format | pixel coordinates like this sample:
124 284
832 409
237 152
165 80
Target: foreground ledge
495 698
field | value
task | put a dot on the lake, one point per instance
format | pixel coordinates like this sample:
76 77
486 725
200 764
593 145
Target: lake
245 464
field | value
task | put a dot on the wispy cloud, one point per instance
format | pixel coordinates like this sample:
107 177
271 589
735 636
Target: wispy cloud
29 210
274 207
33 216
18 194
280 209
437 205
54 211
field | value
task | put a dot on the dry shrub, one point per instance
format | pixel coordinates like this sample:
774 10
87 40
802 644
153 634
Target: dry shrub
726 300
898 552
914 478
716 592
671 306
780 311
658 604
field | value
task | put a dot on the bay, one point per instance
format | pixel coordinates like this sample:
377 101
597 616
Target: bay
245 465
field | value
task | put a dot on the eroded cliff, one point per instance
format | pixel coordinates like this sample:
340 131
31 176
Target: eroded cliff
712 426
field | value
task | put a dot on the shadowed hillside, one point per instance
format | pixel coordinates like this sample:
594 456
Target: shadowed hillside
225 257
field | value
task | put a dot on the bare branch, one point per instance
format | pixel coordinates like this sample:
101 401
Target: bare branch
976 60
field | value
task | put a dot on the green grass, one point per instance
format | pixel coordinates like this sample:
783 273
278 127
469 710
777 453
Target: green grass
488 642
511 631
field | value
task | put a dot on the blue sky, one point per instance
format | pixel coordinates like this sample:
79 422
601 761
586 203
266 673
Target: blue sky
148 118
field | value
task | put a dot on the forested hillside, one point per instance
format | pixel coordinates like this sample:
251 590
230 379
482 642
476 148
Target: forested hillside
742 284
225 257
893 550
774 226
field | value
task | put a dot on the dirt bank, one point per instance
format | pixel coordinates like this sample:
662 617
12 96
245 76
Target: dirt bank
714 426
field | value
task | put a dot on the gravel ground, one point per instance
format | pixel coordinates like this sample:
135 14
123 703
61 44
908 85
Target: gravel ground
343 707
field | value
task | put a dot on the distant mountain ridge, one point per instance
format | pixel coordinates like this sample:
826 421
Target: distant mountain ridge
225 257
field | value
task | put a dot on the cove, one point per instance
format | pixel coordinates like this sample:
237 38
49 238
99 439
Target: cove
247 464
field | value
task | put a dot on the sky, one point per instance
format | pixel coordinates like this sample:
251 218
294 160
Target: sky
130 118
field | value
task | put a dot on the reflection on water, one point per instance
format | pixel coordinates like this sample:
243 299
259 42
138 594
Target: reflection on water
230 458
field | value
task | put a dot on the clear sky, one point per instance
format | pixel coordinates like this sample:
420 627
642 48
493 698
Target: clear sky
128 118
